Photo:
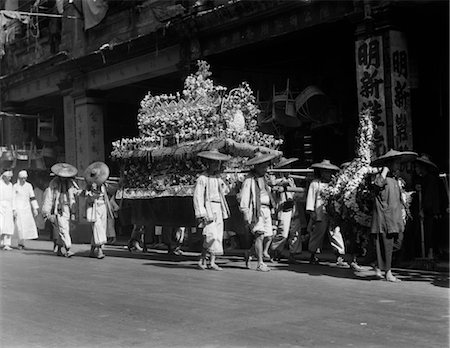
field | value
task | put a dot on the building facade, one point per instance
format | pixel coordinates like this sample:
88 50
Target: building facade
85 70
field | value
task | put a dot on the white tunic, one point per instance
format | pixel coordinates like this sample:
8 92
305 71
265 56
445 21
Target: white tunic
25 226
7 206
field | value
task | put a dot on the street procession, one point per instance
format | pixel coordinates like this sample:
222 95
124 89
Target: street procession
206 163
218 152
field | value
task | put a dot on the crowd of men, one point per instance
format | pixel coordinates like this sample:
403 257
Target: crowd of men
267 204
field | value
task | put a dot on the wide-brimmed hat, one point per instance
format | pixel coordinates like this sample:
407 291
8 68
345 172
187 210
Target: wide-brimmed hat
214 154
325 164
391 155
64 170
97 173
425 159
260 158
283 162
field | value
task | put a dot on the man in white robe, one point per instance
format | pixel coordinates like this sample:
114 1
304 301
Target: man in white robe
7 209
211 207
26 209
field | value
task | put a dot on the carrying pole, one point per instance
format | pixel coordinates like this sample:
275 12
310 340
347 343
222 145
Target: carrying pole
421 218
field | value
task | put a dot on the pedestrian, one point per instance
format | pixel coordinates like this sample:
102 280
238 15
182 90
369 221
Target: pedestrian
284 187
388 221
319 219
353 238
7 209
26 209
59 204
256 204
211 207
38 188
111 230
98 208
136 238
428 206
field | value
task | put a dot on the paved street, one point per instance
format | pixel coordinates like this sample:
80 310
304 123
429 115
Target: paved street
150 300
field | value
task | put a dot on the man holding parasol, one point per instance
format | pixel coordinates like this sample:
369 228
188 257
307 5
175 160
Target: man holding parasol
97 206
388 222
59 204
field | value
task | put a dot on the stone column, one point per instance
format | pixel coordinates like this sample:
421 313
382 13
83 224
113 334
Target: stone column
88 127
70 144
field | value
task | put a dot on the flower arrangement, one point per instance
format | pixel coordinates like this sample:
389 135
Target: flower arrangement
201 111
349 196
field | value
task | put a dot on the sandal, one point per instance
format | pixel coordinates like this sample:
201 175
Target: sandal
216 268
262 268
392 279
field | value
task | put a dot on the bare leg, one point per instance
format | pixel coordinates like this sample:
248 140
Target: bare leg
213 263
266 242
259 248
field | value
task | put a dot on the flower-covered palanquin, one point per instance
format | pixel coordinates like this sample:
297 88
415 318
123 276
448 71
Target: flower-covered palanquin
174 128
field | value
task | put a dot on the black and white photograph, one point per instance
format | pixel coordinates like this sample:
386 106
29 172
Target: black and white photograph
224 173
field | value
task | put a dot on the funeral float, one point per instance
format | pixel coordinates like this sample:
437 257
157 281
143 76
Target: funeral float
160 166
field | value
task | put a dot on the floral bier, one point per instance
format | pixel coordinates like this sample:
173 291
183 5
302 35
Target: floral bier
162 161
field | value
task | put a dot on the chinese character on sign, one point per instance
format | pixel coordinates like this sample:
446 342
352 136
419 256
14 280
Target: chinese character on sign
377 111
370 84
369 54
401 94
401 127
400 63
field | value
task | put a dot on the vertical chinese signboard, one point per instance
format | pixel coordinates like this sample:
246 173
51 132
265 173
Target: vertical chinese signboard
400 94
370 84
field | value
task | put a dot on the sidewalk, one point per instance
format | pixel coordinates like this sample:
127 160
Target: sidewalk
327 256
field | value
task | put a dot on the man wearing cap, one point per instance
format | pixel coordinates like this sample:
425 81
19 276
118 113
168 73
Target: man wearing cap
59 204
98 207
7 209
256 203
211 207
387 220
26 209
319 218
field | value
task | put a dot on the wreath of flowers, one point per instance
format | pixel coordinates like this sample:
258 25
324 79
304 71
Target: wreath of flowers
349 196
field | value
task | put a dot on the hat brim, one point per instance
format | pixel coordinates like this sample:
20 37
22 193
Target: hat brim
64 170
215 156
402 157
260 159
428 162
325 166
100 176
284 163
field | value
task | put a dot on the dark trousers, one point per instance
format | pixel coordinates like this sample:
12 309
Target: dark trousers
380 250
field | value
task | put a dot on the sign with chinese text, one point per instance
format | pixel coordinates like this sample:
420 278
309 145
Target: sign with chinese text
401 107
370 84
